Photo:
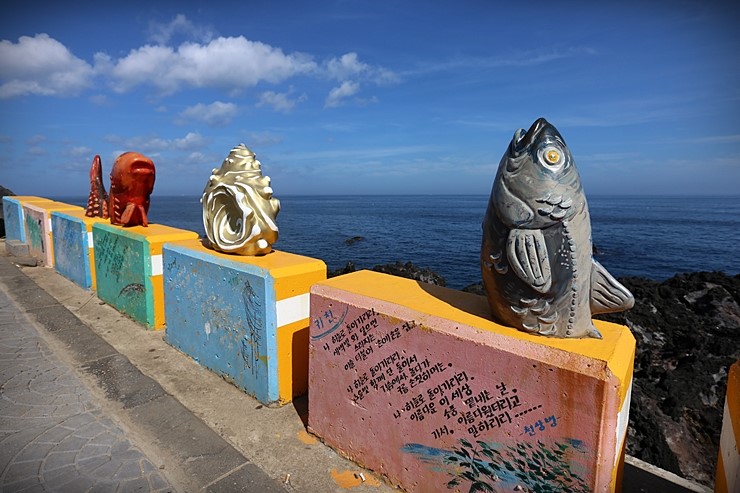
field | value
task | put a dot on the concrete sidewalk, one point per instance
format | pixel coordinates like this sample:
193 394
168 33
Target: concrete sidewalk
90 401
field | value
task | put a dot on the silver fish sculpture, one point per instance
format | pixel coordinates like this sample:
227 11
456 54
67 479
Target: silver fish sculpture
239 210
536 253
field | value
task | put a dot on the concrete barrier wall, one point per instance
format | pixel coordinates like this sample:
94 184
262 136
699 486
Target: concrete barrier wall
416 383
128 268
728 462
15 229
39 230
73 246
243 317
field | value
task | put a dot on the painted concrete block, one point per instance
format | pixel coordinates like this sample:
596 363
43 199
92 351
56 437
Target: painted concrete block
728 463
128 268
74 256
243 317
39 230
13 215
417 383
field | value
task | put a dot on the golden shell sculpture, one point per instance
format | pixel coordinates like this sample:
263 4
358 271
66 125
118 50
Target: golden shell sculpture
238 207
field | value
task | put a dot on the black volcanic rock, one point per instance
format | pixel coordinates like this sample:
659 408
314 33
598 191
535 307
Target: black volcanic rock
3 192
688 334
407 270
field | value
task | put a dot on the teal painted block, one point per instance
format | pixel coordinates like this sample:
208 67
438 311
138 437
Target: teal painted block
222 313
36 234
71 249
123 270
13 216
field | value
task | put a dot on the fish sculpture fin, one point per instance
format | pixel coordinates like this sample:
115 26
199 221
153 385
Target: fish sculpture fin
607 294
130 213
527 254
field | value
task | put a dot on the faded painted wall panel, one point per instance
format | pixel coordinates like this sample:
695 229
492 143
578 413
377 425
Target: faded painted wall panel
72 259
408 380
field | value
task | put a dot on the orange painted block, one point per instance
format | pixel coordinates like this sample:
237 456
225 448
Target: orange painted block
728 463
38 228
416 383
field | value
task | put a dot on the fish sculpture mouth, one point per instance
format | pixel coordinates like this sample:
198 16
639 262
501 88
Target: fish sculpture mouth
522 140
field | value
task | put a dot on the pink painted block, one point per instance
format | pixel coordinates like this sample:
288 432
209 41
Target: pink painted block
416 383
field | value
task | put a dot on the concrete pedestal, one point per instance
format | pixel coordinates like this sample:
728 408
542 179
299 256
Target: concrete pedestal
728 463
416 383
15 229
39 230
128 268
74 256
243 317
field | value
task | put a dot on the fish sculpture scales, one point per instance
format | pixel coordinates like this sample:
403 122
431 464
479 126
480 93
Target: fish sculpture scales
131 184
97 200
239 210
536 252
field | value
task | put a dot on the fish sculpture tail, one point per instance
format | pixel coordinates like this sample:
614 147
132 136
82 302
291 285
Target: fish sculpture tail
97 200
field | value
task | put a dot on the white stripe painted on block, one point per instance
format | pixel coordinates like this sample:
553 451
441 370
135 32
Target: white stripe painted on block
48 223
728 449
623 418
89 239
157 267
292 309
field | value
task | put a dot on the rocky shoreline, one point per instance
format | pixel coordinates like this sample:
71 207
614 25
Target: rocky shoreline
688 334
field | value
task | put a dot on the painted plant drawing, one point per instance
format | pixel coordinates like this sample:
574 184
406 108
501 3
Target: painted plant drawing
492 467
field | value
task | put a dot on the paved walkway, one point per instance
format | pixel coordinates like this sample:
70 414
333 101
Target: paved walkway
53 435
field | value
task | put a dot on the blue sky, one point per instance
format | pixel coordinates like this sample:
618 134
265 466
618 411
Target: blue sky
370 97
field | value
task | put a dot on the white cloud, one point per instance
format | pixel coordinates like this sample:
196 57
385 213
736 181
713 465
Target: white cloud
153 146
233 63
80 152
163 33
214 114
348 66
345 90
280 101
41 65
263 139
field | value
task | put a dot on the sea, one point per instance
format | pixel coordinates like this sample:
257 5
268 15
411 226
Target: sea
652 237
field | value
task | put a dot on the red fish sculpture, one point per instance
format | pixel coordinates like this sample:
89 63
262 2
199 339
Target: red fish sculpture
131 183
97 201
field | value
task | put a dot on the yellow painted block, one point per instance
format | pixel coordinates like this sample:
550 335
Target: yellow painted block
728 461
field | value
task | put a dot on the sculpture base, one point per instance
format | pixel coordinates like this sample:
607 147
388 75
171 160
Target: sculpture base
416 383
74 255
128 268
243 317
15 248
39 231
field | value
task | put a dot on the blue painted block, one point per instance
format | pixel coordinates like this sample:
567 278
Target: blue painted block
15 227
73 246
245 318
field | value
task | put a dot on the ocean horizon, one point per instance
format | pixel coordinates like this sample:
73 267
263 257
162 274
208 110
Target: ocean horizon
654 237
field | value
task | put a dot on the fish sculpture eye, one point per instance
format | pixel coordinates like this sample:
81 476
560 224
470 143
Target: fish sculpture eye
552 157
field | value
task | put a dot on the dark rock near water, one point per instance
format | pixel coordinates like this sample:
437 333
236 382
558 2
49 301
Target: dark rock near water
353 240
688 334
3 192
407 270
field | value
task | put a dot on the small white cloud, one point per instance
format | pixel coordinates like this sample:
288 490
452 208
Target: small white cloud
100 100
192 140
263 139
233 63
37 151
80 152
41 65
35 139
348 66
214 114
163 33
280 101
338 94
152 146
